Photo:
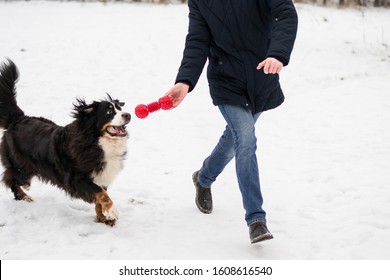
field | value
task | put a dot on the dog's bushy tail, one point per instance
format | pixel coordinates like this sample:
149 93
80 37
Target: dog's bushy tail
9 110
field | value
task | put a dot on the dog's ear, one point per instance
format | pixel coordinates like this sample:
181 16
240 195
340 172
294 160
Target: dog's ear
109 98
81 107
115 101
89 109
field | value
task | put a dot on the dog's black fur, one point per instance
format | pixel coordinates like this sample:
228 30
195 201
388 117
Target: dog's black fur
81 158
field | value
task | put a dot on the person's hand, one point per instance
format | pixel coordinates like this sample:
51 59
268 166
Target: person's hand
177 93
270 66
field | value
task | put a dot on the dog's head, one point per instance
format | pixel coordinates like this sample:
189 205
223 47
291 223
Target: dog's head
104 117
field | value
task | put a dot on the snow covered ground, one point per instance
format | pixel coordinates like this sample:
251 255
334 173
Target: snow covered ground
324 154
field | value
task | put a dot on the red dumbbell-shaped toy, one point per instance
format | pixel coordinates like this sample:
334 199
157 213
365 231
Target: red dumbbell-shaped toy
142 110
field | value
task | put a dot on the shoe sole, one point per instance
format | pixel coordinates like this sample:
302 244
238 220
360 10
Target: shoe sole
204 211
266 236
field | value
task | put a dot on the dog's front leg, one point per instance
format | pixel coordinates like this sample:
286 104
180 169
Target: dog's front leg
106 212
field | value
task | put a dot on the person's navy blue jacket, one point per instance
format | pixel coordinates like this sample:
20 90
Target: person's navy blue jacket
236 35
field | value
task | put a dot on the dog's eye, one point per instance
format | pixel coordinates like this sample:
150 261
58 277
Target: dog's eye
110 111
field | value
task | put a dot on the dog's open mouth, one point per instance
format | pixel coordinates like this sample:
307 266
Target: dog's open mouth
117 131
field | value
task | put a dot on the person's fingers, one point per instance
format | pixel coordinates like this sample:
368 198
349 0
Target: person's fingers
270 66
261 65
176 96
177 93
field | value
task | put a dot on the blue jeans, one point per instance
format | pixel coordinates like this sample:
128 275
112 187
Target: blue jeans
239 141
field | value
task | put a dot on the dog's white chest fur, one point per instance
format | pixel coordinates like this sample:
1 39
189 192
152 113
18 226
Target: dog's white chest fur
114 154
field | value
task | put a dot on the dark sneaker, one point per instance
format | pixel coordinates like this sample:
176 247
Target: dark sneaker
203 197
259 232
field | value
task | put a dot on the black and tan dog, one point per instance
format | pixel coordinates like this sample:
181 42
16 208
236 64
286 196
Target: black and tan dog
81 158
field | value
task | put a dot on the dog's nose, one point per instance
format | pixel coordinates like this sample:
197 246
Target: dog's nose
127 117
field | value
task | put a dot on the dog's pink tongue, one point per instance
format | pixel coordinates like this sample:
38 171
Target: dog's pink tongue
112 130
118 130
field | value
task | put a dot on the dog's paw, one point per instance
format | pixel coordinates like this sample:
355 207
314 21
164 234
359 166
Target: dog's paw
27 198
110 222
112 214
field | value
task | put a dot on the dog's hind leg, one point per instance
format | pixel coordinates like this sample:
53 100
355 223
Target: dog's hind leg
17 174
105 210
20 194
13 180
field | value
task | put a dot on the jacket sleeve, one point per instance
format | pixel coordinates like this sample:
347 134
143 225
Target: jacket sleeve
284 29
196 47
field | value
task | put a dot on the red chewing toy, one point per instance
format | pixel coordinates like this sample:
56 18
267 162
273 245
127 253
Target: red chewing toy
142 111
